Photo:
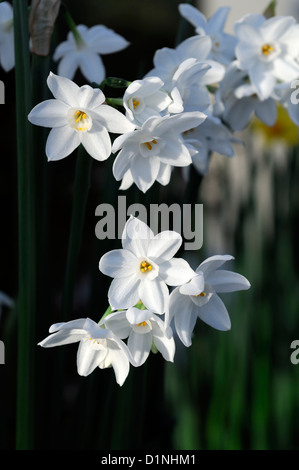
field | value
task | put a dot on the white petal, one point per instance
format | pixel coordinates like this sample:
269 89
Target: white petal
135 315
61 142
92 67
118 263
195 286
121 365
183 311
263 81
212 263
121 165
68 65
154 295
176 272
104 40
214 313
61 338
63 89
227 281
217 22
144 171
139 346
165 345
88 358
123 292
136 237
49 113
113 120
274 28
117 322
193 15
97 142
90 98
164 245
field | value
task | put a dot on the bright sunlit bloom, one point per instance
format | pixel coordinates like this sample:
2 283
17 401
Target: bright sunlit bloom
145 98
7 51
83 50
144 267
268 50
77 115
198 298
158 142
144 330
223 44
98 347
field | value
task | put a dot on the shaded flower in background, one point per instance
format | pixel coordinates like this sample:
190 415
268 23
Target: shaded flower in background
198 298
77 115
267 50
83 49
7 48
143 268
223 44
145 332
98 347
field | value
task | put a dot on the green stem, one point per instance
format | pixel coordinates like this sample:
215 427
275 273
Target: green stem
26 233
81 190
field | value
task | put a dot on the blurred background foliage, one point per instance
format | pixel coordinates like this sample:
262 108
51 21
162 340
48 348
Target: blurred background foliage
232 390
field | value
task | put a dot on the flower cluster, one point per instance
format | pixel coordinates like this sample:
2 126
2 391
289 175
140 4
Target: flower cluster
186 107
142 310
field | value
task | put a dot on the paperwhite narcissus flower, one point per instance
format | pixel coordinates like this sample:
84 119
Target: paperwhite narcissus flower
199 299
223 44
144 331
7 51
144 267
145 98
236 101
158 141
77 115
83 50
267 49
98 347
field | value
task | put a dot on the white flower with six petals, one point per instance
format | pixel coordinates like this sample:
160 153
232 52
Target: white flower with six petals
143 268
77 115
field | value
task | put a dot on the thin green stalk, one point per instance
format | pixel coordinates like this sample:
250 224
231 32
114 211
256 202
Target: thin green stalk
81 190
26 233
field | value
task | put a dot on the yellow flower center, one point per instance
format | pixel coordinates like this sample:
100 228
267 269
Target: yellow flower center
145 266
202 294
267 49
142 323
149 144
135 103
79 120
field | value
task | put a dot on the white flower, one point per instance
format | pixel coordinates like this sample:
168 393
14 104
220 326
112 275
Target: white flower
199 299
144 267
158 141
77 115
144 331
7 51
83 51
223 44
145 98
267 49
236 101
178 71
211 136
98 347
188 92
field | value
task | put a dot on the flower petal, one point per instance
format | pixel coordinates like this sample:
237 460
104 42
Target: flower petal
176 272
212 263
227 281
164 245
123 292
136 237
97 142
214 313
118 263
49 113
154 295
182 309
63 89
61 142
88 358
139 346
